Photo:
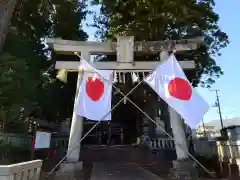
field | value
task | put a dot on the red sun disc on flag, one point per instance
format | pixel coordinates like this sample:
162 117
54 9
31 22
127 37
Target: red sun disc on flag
180 89
94 88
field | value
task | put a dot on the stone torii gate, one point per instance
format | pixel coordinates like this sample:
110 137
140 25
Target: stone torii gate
125 49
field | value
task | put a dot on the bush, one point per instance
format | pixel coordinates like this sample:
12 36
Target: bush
5 149
12 154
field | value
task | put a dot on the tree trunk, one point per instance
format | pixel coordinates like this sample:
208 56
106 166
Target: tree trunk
6 10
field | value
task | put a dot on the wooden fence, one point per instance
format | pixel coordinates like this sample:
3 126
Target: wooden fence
60 144
161 143
24 171
225 150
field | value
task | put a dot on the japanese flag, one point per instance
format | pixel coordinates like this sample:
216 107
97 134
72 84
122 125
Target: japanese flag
171 84
95 93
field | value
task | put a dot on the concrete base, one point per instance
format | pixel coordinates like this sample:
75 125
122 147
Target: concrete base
184 170
68 167
68 170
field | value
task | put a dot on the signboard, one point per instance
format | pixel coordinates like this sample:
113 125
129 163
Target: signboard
42 140
125 49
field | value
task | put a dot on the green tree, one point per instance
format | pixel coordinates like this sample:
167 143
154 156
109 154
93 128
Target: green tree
67 19
168 19
67 24
27 65
17 87
23 60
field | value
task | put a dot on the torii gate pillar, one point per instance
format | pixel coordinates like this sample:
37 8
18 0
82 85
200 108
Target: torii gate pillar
177 127
74 145
183 166
77 122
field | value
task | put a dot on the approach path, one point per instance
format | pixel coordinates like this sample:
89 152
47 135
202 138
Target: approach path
121 171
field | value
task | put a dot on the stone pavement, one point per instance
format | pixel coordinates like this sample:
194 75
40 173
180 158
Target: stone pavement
123 162
121 171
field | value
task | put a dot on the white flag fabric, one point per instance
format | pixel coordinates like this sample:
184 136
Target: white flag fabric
171 84
95 93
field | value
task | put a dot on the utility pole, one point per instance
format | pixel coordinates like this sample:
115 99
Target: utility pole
217 104
205 134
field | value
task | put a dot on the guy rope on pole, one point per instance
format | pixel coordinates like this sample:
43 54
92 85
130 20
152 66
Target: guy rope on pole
71 148
125 97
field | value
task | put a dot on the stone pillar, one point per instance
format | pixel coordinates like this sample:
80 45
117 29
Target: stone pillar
73 153
183 167
179 135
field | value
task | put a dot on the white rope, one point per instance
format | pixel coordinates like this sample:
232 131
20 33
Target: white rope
125 97
155 122
71 148
180 145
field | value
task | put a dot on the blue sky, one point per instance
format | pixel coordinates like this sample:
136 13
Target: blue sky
228 84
